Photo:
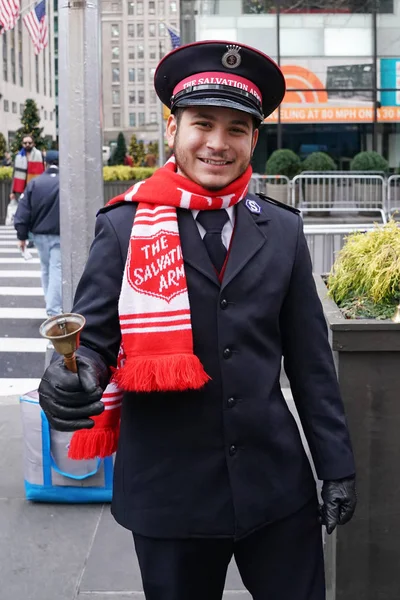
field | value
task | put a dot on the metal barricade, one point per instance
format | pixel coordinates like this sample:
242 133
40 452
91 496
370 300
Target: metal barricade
275 186
321 194
393 196
324 242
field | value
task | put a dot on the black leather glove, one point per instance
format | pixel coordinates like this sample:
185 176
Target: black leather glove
70 399
339 502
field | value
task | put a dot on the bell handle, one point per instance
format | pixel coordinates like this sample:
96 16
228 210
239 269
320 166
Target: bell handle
70 362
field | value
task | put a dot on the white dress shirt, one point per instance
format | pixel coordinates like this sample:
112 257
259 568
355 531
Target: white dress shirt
227 229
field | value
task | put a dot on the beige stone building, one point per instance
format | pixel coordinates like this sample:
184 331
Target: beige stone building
134 37
24 75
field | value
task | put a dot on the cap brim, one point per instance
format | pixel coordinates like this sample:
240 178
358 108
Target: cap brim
215 101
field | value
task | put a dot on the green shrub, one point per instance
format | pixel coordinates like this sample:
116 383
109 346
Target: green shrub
369 161
121 173
318 161
283 162
5 173
365 278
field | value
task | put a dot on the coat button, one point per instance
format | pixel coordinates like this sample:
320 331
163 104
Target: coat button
231 402
232 450
227 353
224 303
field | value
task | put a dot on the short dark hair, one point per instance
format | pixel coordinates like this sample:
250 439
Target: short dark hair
178 112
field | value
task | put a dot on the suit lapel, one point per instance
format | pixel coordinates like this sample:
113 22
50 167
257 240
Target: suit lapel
193 248
247 239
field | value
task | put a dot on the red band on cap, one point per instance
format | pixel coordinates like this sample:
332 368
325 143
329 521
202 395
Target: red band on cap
218 78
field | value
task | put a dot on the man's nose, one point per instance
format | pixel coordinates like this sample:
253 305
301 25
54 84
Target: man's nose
217 140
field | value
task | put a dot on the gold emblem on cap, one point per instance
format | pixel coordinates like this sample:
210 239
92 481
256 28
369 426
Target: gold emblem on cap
232 59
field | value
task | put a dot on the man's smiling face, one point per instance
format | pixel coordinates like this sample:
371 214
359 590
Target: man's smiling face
212 145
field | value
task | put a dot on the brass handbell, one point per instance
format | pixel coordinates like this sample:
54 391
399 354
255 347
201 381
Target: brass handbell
63 331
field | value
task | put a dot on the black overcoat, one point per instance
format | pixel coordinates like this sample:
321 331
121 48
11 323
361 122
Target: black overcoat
227 459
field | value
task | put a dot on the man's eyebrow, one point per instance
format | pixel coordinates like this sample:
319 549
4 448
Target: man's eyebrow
211 117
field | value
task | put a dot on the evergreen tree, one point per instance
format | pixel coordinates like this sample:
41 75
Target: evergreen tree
3 145
30 126
133 149
152 148
141 154
118 156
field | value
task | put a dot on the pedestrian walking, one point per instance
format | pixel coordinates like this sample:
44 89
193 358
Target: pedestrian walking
38 212
193 292
28 164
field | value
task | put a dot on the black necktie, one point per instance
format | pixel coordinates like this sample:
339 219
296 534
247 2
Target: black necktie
213 222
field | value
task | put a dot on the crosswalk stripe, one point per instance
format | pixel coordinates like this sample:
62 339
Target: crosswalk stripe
16 387
23 313
23 345
19 261
15 250
19 291
7 243
20 274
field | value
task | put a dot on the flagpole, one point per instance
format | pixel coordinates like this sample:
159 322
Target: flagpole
161 129
81 175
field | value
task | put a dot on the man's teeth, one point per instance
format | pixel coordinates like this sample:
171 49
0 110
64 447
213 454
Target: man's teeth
215 162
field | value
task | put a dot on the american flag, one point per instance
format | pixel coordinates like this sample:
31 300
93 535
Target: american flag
37 26
175 38
9 13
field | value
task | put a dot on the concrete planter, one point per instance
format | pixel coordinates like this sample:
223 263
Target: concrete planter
278 191
363 558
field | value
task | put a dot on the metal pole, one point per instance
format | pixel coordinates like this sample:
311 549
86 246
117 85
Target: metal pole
81 178
374 75
161 148
278 52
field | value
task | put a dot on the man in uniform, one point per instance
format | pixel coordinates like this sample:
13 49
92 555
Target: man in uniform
195 290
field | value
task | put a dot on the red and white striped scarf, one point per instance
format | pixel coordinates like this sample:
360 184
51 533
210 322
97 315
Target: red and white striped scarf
156 351
26 169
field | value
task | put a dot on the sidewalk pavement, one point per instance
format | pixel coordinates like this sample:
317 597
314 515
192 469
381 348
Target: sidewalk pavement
63 552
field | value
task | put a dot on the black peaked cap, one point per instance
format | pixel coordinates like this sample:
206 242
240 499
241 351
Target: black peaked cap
225 58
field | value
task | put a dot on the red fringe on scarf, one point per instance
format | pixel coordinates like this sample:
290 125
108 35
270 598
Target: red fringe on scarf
175 372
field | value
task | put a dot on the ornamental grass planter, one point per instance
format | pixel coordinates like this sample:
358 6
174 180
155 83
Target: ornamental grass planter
363 557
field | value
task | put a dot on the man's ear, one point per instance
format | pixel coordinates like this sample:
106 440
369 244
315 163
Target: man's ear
254 141
171 131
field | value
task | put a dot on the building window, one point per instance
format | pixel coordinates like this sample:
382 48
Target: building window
114 30
153 97
115 53
44 74
153 117
152 71
131 31
51 115
115 7
45 115
115 75
142 119
14 108
116 119
131 7
116 97
173 9
5 58
20 60
161 29
152 52
132 119
131 75
140 30
6 106
152 7
140 52
161 8
131 53
140 75
141 96
139 7
21 109
131 96
13 65
37 72
152 30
